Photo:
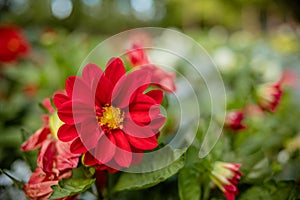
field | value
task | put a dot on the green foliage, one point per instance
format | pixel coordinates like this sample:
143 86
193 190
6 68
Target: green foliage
81 181
283 190
189 187
133 181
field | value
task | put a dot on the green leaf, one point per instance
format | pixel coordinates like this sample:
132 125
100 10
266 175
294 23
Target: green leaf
284 190
255 192
133 181
189 184
81 181
70 187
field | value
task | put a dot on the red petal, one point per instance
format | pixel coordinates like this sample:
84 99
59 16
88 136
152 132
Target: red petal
133 129
114 70
75 112
88 159
59 99
123 154
127 86
106 148
77 147
143 143
162 79
65 159
90 133
70 84
82 92
143 113
103 91
36 140
157 123
142 100
67 133
137 156
91 74
38 186
47 156
157 95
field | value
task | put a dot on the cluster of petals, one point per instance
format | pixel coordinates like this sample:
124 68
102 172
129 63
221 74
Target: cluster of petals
108 117
54 162
234 120
13 44
39 185
138 58
226 176
269 96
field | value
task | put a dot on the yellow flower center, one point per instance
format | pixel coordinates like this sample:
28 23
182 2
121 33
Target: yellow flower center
111 117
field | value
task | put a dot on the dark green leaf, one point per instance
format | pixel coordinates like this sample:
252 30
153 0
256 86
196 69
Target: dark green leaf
81 181
284 190
133 181
189 184
70 187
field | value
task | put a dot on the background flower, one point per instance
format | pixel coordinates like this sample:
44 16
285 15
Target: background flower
226 177
159 77
234 120
13 43
269 96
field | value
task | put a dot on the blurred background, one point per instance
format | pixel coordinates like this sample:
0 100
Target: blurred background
261 35
113 16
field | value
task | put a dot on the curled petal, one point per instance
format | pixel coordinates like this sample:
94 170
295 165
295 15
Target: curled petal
36 140
157 95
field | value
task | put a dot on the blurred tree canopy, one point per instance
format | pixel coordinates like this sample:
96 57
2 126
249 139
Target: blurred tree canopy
111 16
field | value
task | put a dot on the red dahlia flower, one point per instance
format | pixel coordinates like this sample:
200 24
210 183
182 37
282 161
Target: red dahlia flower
13 44
234 120
108 116
226 177
269 96
138 58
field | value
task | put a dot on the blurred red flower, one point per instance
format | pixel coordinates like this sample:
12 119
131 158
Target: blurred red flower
269 96
13 44
234 120
107 115
138 58
289 78
226 177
